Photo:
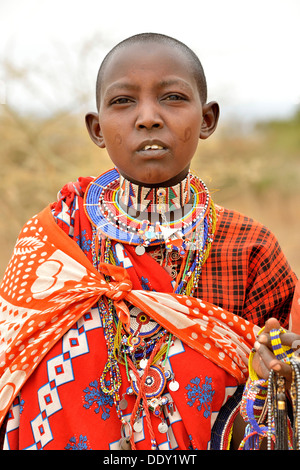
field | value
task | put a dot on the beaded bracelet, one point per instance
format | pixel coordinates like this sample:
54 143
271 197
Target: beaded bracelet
267 398
252 410
282 352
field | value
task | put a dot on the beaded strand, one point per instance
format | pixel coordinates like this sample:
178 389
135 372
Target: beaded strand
154 349
270 396
295 395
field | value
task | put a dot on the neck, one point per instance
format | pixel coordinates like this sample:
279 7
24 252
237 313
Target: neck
153 199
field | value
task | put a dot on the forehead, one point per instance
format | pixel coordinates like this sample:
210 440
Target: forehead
154 60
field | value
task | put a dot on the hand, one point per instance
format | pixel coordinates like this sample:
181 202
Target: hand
264 360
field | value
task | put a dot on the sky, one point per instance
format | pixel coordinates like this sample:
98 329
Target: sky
249 49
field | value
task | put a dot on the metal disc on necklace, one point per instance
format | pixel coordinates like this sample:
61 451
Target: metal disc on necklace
138 426
163 427
123 404
174 386
140 250
124 443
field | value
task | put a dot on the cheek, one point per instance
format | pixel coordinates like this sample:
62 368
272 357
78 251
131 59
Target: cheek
118 139
112 133
186 135
190 130
189 140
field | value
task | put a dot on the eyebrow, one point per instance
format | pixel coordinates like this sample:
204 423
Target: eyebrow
175 81
122 86
162 84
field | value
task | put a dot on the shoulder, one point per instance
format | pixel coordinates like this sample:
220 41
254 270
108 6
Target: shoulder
69 193
247 242
237 227
68 209
74 188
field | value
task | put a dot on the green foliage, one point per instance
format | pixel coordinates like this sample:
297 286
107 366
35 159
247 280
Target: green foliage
284 135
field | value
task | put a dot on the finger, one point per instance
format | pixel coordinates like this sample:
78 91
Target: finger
259 367
271 324
270 362
288 339
267 357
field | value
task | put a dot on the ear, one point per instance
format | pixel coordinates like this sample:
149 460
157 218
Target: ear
211 112
94 129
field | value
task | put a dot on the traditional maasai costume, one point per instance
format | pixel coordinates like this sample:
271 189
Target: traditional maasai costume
142 342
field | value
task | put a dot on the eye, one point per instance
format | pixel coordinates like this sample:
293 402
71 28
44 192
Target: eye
174 97
121 100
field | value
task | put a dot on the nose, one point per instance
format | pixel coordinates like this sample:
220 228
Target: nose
148 117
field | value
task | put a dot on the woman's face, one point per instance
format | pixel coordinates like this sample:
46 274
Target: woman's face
150 113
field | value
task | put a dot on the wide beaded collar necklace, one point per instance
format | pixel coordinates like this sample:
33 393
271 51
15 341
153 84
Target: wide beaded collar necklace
141 216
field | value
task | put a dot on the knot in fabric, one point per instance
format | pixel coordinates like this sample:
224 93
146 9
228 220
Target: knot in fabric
118 290
120 283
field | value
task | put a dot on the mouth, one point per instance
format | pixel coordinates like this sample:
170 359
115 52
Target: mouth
152 148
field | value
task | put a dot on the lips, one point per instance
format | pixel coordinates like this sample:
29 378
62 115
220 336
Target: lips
152 146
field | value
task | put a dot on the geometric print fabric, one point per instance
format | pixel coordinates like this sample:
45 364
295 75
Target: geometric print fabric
59 371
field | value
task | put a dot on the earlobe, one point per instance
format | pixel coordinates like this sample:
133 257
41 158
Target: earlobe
211 112
94 129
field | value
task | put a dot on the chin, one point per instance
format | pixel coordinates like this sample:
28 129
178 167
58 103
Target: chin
156 177
153 181
164 179
147 178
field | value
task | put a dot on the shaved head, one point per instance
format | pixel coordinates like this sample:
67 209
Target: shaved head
147 38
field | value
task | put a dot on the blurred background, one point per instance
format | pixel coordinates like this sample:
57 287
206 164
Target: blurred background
50 52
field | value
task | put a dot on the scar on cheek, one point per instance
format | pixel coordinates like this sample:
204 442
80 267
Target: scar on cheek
118 139
187 134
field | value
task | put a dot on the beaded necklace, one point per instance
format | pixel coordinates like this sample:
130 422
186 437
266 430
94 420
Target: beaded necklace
145 199
265 406
143 348
174 228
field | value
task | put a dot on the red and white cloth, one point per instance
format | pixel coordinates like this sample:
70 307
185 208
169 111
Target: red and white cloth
49 284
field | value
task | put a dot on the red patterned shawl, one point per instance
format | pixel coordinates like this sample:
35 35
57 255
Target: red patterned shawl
49 284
